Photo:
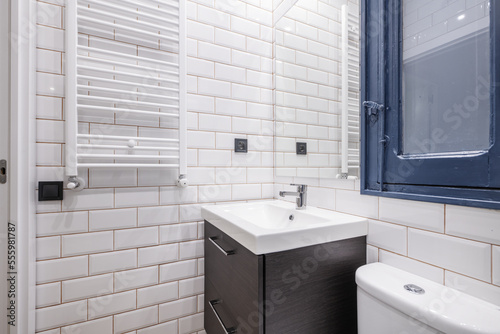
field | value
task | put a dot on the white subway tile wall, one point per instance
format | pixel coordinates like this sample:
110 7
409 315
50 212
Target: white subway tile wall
143 272
308 86
125 255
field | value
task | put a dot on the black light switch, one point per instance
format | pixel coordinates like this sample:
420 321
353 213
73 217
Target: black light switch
50 191
241 145
302 148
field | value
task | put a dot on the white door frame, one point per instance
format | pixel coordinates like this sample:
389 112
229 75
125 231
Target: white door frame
4 154
23 158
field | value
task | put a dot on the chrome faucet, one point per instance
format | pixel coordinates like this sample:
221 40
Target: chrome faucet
301 195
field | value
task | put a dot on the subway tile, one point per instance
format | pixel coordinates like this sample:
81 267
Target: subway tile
354 203
50 85
61 269
245 27
415 267
157 255
214 52
177 309
50 38
176 195
61 223
137 278
246 191
107 178
178 270
101 326
87 287
115 261
48 294
387 236
230 107
112 219
88 199
322 197
178 232
191 323
472 287
230 39
49 107
112 304
229 175
49 131
215 123
157 294
191 286
48 248
136 319
146 196
473 223
164 328
191 249
159 215
214 87
200 103
60 315
462 256
371 254
49 61
80 244
48 154
427 216
230 73
137 237
201 139
496 265
200 31
213 17
214 158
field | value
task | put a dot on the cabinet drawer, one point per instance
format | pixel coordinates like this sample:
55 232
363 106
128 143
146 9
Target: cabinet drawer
218 318
235 274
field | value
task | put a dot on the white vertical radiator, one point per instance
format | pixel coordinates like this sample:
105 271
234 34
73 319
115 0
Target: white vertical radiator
125 85
350 94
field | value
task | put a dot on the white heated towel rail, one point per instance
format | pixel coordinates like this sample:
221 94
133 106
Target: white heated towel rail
350 94
125 85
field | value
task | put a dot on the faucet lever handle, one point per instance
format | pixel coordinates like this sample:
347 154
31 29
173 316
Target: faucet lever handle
300 187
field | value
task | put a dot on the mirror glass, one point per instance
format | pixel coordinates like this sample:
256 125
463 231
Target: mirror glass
309 89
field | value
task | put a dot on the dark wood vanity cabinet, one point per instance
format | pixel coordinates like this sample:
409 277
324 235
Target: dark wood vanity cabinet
310 290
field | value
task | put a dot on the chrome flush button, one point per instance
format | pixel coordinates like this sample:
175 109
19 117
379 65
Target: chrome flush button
414 289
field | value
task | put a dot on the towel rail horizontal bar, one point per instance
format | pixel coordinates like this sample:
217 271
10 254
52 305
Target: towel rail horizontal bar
139 139
127 83
118 165
145 6
126 92
139 103
130 74
110 5
114 16
123 55
135 148
126 28
125 156
133 111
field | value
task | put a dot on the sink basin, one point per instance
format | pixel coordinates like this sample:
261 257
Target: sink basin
275 226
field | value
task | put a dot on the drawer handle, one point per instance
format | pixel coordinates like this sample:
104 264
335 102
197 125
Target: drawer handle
225 252
229 330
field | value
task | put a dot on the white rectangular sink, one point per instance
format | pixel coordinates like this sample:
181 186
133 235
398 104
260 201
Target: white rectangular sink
275 226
